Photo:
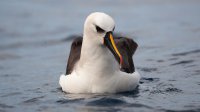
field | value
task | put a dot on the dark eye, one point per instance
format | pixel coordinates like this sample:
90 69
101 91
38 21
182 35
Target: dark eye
99 30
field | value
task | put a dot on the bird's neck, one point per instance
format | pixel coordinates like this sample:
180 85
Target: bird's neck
96 56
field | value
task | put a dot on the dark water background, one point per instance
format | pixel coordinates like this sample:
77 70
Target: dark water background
34 47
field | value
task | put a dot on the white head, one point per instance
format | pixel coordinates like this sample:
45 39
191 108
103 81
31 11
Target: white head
97 25
98 30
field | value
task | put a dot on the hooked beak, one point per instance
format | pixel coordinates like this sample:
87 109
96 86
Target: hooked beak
110 43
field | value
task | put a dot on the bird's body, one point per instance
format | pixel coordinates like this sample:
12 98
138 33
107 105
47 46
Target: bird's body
93 65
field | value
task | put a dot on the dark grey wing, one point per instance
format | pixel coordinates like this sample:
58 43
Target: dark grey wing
74 55
127 48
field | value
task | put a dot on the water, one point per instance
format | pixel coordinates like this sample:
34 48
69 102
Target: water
34 47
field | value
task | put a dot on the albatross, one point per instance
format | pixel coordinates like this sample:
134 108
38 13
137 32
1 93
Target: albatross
100 62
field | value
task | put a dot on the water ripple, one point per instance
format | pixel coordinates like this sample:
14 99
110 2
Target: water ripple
187 53
106 101
183 62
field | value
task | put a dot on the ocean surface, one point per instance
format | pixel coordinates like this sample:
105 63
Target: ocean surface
35 39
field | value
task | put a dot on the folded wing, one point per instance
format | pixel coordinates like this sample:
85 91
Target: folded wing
126 46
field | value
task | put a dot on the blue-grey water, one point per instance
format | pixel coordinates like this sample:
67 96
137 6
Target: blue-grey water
34 47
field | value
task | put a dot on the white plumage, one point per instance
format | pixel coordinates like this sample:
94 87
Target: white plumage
97 71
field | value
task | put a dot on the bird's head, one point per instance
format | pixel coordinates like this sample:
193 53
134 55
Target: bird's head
98 28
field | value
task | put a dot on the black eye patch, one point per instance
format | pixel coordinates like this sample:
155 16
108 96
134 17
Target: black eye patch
113 28
99 30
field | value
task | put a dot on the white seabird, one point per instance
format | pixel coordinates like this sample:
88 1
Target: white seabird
98 63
